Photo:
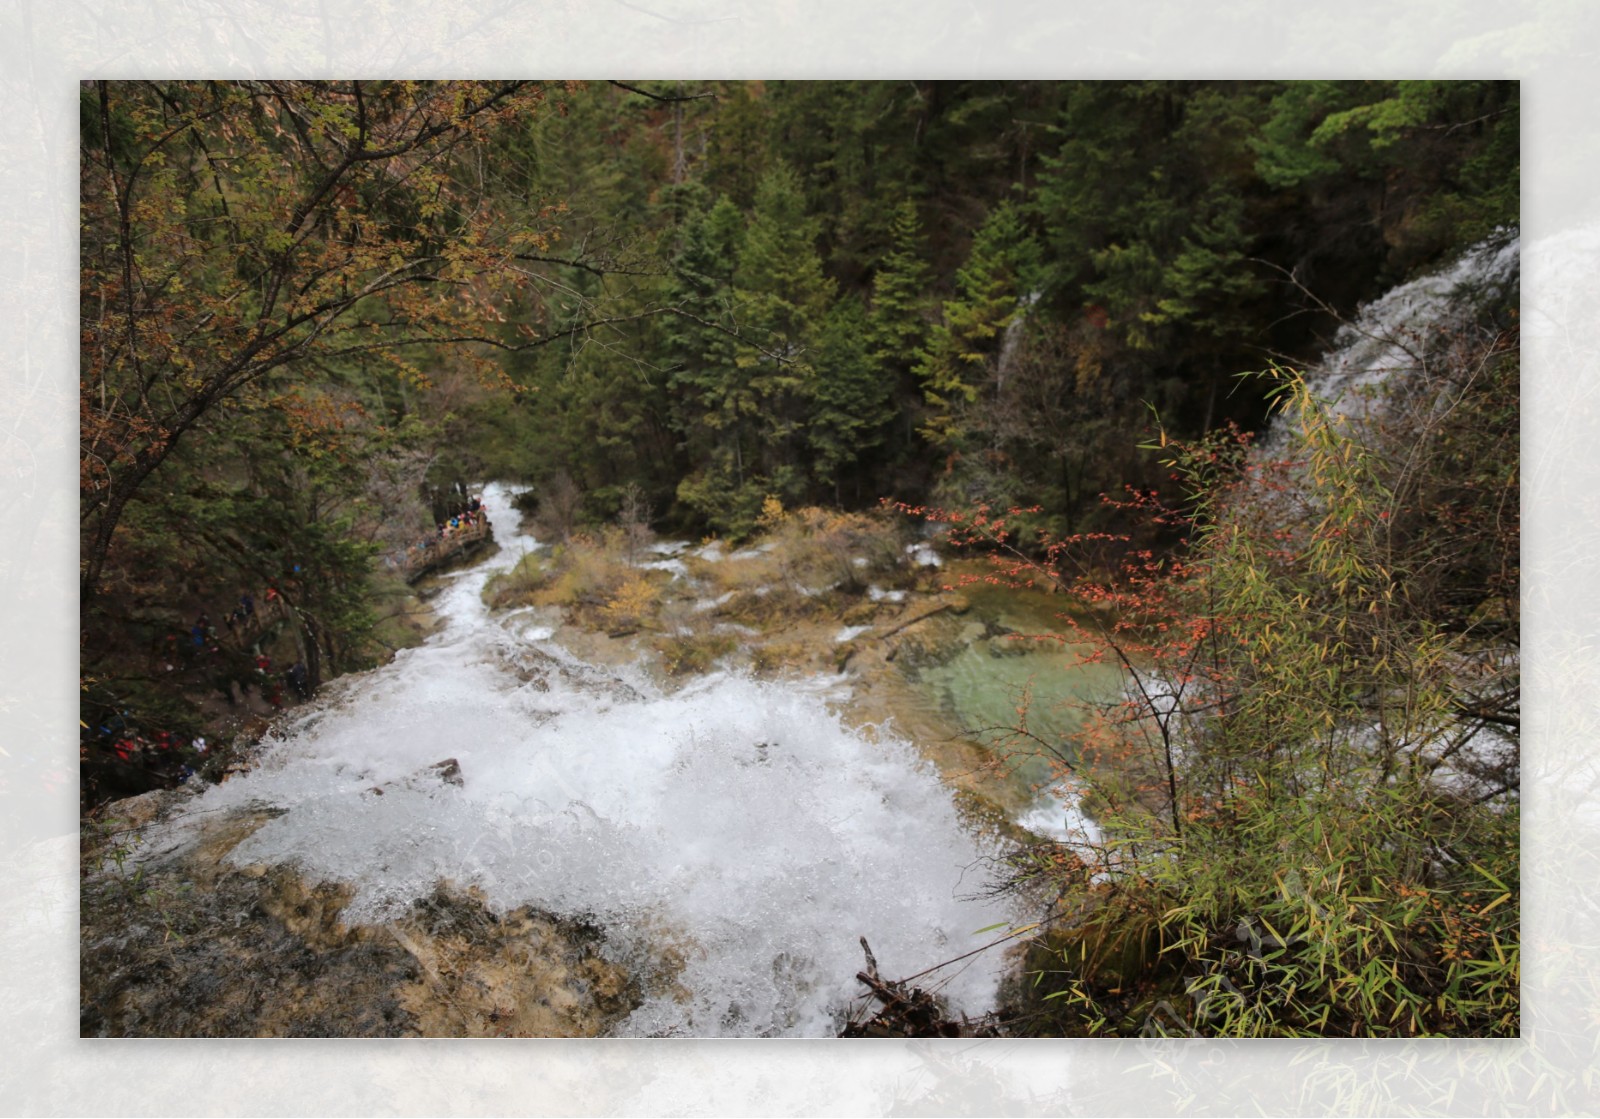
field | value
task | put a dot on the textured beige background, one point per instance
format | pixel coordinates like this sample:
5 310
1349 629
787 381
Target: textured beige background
46 46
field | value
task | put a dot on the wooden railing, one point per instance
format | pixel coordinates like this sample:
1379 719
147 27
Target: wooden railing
416 561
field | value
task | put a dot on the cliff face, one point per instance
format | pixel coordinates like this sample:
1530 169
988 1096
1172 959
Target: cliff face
190 945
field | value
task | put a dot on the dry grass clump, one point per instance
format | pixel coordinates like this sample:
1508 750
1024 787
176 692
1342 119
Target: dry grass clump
818 548
694 653
779 606
769 660
810 550
742 571
589 576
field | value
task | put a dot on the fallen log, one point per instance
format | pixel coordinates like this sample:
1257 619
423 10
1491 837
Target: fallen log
888 633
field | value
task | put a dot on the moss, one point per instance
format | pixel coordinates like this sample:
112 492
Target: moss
771 659
695 653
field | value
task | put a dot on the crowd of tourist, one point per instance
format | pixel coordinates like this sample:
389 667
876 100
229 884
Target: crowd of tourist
459 528
120 758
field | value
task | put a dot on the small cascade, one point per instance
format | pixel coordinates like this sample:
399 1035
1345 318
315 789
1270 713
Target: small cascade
1393 372
1011 338
1401 331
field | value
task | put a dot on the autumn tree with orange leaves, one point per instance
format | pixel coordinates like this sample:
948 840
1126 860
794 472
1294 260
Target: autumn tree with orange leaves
231 230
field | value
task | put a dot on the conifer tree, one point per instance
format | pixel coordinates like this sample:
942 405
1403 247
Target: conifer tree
898 324
779 267
783 296
963 347
712 406
737 149
853 397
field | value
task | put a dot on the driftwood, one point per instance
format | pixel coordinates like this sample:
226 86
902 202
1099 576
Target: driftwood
907 1011
888 633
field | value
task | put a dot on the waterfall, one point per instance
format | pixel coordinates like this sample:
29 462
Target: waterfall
1011 338
1401 331
1392 374
736 826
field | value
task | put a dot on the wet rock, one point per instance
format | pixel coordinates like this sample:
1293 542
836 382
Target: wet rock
142 810
180 942
446 772
844 654
1007 643
970 633
449 772
520 974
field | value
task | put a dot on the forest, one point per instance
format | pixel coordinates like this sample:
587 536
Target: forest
1053 320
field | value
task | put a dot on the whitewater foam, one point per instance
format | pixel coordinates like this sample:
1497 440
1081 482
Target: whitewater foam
736 822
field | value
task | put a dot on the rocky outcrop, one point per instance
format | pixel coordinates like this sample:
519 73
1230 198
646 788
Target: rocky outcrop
182 943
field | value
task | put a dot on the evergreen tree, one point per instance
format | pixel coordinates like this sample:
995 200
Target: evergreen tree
963 347
712 405
898 324
853 397
737 148
783 297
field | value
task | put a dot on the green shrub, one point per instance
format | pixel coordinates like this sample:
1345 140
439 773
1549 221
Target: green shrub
1308 796
694 653
518 586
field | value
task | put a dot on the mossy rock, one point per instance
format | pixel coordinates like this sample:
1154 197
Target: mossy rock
985 814
693 654
773 658
861 614
1013 645
842 654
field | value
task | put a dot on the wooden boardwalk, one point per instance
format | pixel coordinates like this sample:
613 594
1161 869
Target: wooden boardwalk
416 561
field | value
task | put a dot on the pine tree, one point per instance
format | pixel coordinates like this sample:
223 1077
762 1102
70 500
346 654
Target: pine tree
783 298
898 324
737 150
853 397
712 405
963 347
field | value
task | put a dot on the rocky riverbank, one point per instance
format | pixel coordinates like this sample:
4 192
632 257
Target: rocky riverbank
188 944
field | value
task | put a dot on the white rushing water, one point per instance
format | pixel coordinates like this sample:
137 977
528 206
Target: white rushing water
736 822
1397 332
1396 356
